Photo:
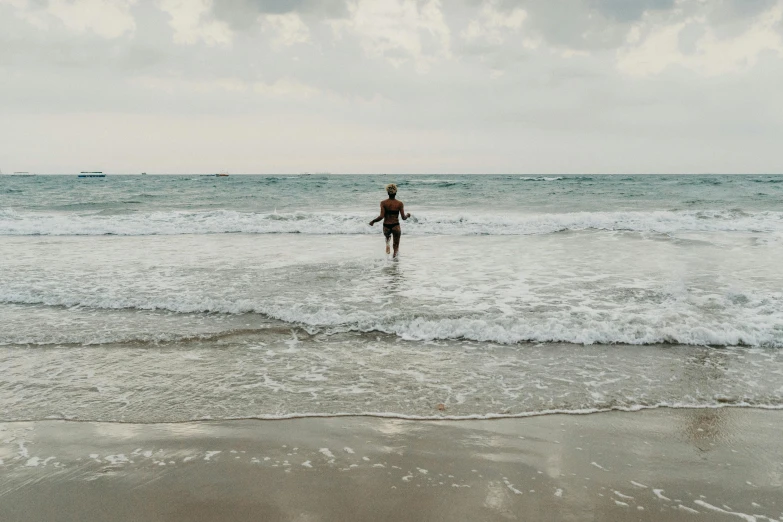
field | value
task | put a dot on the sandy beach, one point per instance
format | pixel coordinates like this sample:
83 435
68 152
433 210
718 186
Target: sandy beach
666 464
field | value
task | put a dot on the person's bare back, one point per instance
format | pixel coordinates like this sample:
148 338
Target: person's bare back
391 211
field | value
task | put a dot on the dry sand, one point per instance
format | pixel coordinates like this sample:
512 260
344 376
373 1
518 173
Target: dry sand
722 464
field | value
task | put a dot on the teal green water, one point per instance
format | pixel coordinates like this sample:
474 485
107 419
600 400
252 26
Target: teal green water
460 205
336 193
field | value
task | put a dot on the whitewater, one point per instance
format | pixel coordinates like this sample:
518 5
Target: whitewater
426 223
173 298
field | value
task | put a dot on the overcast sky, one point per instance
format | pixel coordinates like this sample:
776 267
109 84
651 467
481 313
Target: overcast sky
405 86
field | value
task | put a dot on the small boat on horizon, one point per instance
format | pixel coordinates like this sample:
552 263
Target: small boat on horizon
95 174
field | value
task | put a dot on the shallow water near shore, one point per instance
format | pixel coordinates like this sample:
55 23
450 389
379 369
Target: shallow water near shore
281 373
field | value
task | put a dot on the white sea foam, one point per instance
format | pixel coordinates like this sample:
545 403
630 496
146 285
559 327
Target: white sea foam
211 454
750 327
744 516
326 453
117 459
425 223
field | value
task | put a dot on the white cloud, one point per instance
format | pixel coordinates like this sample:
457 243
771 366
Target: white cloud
288 28
191 21
284 87
106 18
644 56
173 85
399 29
493 25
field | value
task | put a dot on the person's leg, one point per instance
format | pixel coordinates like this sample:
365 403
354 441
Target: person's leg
397 232
387 232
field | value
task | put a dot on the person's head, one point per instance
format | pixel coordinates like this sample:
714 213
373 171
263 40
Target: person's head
391 190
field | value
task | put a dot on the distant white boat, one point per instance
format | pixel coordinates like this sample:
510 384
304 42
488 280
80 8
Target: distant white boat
96 174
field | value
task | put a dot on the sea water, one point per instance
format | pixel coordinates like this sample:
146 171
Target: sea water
173 298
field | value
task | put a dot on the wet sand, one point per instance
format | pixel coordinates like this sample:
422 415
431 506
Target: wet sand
724 464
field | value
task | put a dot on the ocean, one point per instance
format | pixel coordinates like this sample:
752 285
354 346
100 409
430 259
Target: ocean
175 298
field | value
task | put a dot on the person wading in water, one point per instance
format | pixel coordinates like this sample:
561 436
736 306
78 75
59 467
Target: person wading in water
391 211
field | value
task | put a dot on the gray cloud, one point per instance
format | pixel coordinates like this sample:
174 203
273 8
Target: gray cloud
585 24
745 8
730 17
689 37
604 24
242 14
628 11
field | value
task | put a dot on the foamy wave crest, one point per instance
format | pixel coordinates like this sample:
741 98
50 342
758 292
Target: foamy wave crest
541 178
554 329
755 326
225 221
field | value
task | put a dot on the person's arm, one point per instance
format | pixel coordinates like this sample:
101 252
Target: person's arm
379 218
402 211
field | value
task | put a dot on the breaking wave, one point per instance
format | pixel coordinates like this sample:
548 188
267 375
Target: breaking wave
228 221
755 325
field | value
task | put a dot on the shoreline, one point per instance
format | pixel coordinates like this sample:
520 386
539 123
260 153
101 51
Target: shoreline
675 464
416 418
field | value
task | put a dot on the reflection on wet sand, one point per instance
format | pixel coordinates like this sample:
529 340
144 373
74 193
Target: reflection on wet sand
613 466
704 428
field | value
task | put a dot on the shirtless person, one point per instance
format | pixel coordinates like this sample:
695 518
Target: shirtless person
391 210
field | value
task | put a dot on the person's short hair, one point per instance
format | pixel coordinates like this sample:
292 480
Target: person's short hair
391 188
